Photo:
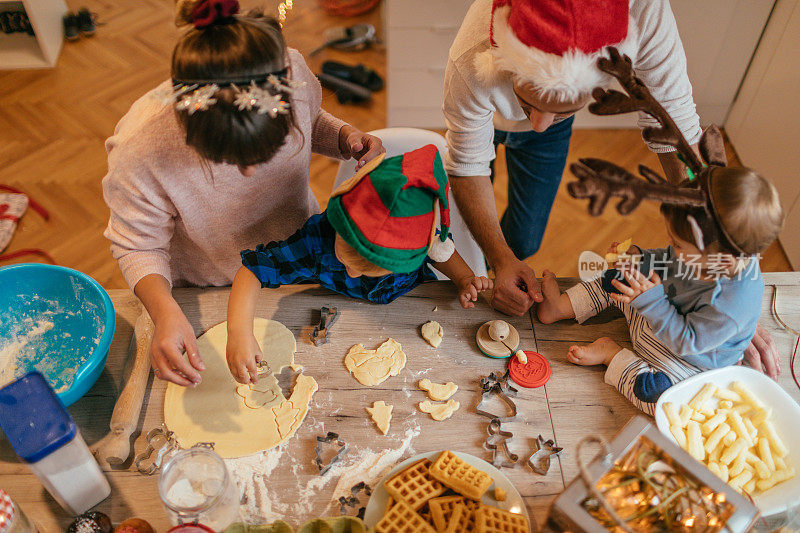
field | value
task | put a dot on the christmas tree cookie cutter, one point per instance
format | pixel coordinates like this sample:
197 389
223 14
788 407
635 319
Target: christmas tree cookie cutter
492 385
539 460
331 439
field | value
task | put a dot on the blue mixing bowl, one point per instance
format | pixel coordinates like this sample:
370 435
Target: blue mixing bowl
58 321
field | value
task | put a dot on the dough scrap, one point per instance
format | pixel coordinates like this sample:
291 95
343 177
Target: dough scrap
499 494
214 412
381 413
372 367
438 391
439 411
433 332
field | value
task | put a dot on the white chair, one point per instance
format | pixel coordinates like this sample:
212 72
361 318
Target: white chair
401 140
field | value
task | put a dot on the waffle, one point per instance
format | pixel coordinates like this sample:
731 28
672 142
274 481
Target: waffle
403 519
414 485
442 510
493 520
460 476
464 518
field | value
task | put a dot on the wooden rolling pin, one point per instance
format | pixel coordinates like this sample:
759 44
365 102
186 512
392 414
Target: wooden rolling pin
115 448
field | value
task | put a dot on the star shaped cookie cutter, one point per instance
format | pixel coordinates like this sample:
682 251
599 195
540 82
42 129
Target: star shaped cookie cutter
497 442
328 316
539 460
330 439
494 384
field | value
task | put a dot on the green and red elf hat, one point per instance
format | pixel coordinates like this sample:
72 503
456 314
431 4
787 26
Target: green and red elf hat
387 210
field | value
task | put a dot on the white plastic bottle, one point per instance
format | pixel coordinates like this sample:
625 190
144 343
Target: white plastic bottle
44 435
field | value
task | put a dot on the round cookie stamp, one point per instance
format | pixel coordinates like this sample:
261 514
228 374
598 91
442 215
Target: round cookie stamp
496 349
532 374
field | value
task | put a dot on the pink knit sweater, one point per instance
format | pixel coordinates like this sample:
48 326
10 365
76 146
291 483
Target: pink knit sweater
171 216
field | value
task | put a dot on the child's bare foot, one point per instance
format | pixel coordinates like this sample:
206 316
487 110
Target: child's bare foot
601 351
555 306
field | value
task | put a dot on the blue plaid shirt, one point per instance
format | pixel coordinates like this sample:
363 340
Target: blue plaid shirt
308 257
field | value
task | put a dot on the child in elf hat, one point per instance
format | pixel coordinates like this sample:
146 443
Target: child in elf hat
376 241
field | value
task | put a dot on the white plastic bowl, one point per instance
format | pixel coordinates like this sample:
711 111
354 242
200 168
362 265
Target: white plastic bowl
785 416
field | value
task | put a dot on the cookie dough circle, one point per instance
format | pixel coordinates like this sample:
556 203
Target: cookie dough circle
214 412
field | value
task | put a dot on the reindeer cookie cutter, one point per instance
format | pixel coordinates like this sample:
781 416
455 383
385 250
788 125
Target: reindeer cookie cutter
600 180
497 385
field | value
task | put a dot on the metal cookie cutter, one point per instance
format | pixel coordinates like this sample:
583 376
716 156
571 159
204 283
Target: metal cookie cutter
496 442
353 501
328 316
495 384
539 461
161 442
331 439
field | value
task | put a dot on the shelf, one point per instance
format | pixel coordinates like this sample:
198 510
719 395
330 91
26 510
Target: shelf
20 50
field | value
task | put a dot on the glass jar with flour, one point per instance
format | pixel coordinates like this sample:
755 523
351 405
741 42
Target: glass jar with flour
196 488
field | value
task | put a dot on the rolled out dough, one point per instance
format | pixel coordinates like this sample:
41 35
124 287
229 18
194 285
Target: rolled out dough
214 411
372 367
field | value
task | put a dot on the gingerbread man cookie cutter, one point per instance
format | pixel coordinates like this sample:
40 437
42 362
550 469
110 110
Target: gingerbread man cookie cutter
497 442
539 460
162 443
492 385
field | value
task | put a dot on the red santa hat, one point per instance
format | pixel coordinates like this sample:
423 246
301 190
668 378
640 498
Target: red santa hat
555 44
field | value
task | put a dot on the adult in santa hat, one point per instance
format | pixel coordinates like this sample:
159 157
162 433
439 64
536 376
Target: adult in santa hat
517 72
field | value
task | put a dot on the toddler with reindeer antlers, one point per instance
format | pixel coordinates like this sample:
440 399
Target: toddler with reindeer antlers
699 306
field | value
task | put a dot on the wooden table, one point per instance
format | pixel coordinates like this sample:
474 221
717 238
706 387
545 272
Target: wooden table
574 403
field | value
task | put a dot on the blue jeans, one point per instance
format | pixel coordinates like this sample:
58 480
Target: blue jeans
535 163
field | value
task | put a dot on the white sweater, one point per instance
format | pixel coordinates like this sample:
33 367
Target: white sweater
473 109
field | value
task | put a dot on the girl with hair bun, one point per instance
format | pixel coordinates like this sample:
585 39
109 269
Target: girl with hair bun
215 161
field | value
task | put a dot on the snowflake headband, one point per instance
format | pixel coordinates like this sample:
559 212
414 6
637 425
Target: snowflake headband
249 93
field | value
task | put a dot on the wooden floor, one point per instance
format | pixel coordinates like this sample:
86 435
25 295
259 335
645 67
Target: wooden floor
53 124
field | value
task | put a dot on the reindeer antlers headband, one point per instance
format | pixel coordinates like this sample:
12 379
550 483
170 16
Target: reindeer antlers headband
600 180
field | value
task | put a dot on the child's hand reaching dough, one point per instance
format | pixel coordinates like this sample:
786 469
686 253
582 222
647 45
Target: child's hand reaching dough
243 354
469 287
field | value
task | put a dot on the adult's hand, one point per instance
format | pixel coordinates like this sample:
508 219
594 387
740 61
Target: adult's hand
516 288
762 354
171 337
172 334
359 145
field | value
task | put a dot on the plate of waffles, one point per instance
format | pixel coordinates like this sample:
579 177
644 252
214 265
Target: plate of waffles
446 492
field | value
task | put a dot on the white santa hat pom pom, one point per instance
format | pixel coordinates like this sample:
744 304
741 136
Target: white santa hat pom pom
440 251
